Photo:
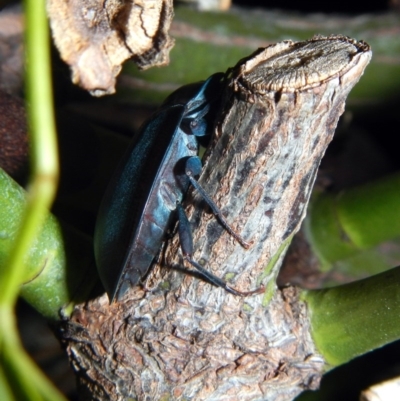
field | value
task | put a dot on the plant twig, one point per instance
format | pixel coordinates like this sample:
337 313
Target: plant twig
185 338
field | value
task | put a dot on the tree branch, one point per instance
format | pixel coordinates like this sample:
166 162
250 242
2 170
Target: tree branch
185 338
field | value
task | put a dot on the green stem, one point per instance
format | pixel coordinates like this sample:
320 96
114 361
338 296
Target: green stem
24 378
352 319
44 148
5 389
339 226
370 214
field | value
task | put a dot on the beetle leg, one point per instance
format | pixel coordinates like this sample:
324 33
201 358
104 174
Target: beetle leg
193 168
221 283
186 240
185 233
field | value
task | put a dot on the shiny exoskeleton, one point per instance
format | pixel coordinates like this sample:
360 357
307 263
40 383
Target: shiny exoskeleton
144 197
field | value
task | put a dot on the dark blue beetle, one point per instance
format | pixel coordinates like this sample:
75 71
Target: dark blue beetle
140 202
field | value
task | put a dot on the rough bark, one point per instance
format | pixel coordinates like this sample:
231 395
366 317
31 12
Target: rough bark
185 339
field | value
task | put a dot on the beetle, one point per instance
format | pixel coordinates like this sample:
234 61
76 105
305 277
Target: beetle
144 196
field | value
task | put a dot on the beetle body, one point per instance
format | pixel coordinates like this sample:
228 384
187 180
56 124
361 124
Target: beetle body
139 204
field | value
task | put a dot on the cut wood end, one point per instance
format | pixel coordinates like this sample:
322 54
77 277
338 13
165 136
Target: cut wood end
291 66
